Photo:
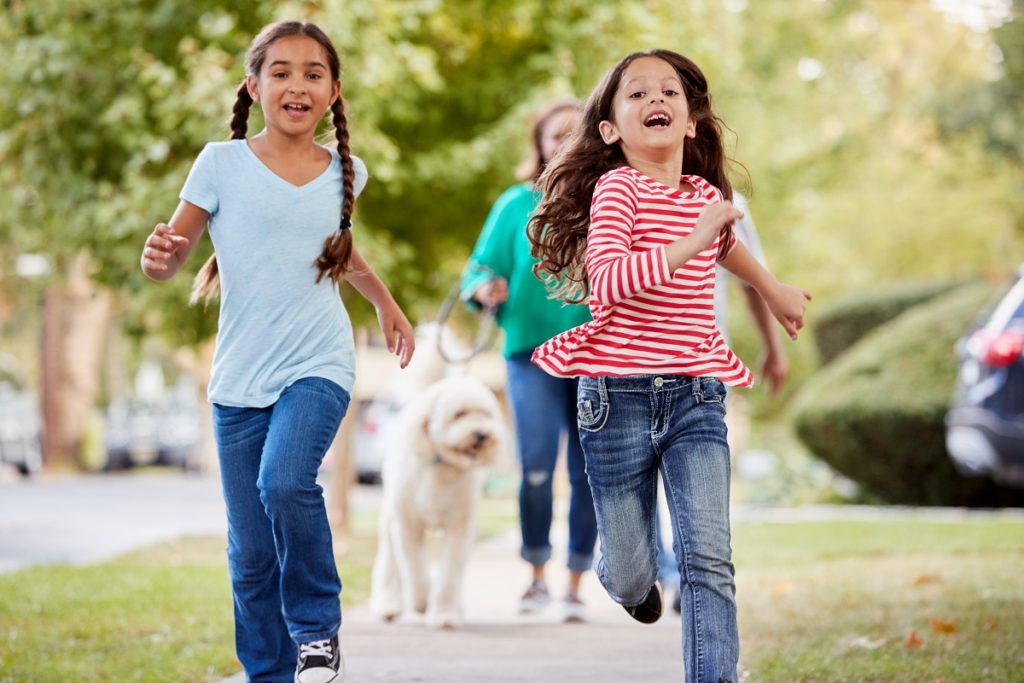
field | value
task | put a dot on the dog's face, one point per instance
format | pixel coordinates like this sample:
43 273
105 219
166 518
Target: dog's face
463 425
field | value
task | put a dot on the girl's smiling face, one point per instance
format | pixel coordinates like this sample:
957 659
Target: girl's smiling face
294 87
650 115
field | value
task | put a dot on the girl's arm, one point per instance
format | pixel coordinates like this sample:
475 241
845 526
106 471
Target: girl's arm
773 365
786 302
488 285
397 330
617 273
168 246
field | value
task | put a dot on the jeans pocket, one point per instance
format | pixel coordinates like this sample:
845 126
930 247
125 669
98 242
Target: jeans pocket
592 406
712 390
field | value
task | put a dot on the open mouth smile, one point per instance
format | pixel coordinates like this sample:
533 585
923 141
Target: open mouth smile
658 120
296 109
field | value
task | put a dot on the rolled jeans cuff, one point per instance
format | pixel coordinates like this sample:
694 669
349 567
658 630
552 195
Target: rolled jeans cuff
538 556
580 562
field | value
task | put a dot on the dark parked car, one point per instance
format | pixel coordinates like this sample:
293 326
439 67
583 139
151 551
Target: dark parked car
985 426
21 426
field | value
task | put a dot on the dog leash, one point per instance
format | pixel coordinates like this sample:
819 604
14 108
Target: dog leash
487 329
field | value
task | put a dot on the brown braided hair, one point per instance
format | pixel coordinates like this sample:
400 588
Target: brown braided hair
334 259
558 229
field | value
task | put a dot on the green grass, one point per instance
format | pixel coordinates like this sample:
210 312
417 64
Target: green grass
819 602
162 613
882 601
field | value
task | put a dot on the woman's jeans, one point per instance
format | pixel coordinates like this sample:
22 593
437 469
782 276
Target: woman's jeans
632 427
544 408
280 557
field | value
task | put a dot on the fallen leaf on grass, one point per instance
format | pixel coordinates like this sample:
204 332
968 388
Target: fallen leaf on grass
942 626
782 589
913 641
925 579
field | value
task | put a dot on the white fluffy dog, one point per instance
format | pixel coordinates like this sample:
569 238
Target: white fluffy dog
432 476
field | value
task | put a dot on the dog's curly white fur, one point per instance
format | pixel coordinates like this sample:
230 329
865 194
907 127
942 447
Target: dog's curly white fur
432 476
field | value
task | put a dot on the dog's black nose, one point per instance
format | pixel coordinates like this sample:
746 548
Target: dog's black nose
481 437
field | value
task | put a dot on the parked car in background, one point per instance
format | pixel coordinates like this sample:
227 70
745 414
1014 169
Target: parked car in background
21 425
985 425
376 419
155 428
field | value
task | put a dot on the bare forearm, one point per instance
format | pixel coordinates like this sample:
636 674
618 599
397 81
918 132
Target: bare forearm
763 320
366 282
681 251
741 263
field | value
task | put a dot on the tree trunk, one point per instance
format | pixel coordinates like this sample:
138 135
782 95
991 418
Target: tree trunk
75 319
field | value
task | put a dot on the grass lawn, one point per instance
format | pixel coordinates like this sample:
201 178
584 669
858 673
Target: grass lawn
162 613
900 601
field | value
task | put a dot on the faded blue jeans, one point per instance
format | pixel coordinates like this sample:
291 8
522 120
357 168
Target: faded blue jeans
544 408
280 557
631 428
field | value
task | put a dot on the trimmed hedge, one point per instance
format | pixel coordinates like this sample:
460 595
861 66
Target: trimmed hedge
842 324
876 413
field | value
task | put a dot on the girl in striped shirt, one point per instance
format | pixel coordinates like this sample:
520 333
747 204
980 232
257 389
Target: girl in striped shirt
635 215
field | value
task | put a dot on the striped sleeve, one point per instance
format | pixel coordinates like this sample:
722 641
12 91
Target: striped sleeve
616 273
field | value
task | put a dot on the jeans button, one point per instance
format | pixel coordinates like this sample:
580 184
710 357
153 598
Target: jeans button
658 381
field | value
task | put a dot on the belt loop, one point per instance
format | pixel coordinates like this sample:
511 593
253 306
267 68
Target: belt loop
695 385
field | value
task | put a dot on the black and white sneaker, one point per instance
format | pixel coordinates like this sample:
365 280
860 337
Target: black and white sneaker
320 662
648 611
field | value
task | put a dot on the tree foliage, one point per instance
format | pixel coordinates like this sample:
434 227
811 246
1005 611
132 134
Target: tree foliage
840 109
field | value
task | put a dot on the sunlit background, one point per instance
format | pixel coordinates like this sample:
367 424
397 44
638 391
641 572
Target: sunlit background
879 142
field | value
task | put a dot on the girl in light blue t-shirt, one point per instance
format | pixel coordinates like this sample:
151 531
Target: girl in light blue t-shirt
279 209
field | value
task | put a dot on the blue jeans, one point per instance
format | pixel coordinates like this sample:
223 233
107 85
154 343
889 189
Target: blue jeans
544 408
632 427
668 567
280 557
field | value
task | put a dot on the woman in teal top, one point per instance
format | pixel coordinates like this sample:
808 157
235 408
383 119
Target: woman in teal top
500 273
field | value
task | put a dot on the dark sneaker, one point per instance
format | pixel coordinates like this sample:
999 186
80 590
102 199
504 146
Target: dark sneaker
648 611
535 598
320 662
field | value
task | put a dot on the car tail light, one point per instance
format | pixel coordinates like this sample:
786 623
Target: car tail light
1003 349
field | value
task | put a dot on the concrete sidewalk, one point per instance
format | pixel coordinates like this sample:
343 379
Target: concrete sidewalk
497 645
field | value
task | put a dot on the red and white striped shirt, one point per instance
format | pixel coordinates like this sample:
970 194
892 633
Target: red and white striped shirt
647 320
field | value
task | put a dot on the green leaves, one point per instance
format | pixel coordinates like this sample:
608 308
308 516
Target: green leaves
871 135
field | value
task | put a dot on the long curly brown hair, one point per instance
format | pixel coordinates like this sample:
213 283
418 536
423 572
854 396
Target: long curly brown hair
558 229
333 260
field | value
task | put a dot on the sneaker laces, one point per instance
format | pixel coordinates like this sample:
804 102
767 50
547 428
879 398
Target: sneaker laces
318 648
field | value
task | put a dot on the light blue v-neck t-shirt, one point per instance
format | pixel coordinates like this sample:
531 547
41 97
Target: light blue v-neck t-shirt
277 324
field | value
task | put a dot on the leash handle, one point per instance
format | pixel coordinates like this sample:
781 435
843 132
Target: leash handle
487 330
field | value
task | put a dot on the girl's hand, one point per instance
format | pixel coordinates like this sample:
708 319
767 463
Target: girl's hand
397 330
161 246
492 293
712 220
787 304
774 368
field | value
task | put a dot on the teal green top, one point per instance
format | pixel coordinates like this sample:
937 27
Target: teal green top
529 317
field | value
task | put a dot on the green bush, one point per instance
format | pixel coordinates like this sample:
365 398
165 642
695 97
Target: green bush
840 325
876 413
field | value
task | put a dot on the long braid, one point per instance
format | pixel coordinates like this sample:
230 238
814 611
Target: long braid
334 259
207 282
